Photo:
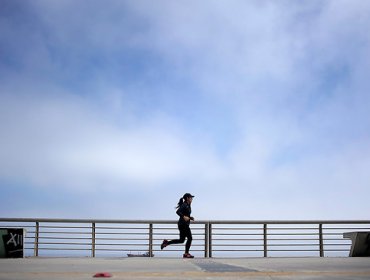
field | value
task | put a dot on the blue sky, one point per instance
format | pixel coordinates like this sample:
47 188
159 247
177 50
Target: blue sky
114 109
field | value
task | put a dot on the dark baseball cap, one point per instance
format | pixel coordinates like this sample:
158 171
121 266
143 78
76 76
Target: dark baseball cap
188 195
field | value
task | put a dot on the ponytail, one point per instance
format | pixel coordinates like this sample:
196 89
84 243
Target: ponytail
181 201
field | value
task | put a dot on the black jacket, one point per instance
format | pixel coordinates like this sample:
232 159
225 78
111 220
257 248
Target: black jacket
184 210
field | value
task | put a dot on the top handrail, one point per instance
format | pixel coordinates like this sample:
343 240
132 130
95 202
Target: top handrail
114 221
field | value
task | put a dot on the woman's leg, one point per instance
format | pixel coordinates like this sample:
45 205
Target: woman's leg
189 240
183 235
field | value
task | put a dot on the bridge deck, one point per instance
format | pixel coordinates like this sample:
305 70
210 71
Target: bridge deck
169 268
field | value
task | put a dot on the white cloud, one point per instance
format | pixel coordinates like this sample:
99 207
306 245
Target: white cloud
64 141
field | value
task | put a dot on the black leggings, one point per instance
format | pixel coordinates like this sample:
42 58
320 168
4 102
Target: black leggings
185 232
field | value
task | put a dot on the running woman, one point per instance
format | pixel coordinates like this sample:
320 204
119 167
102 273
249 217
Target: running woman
184 212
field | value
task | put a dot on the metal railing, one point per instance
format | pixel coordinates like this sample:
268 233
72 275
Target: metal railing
101 238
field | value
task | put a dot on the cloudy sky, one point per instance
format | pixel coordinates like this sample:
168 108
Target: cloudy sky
115 109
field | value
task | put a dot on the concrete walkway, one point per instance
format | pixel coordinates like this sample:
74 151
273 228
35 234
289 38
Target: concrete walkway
162 268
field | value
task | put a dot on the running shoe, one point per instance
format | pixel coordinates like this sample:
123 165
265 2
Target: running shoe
187 256
164 244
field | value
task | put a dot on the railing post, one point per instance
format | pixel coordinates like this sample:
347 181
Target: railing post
321 241
93 240
209 240
36 245
206 239
265 240
151 240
